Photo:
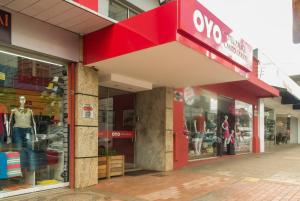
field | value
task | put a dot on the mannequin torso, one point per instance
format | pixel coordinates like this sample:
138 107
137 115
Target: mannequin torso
22 117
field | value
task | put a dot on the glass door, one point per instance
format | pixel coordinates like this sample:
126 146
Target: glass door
117 124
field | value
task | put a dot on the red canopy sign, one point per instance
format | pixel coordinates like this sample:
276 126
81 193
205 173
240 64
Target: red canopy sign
203 26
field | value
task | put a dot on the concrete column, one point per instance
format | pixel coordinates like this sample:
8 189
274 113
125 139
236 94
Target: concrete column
261 132
154 145
86 128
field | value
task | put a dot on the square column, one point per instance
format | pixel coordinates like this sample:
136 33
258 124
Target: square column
154 142
86 126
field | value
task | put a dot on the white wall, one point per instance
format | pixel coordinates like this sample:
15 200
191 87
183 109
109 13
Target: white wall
39 36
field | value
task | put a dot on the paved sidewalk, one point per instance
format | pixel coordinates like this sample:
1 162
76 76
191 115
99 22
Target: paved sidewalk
271 176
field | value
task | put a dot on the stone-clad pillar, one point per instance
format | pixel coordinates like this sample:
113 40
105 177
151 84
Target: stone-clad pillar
154 142
86 127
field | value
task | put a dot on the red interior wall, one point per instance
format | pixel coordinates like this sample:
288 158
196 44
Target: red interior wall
92 4
123 146
121 103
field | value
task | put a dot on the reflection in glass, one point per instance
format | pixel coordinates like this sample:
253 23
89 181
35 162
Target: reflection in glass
201 122
244 128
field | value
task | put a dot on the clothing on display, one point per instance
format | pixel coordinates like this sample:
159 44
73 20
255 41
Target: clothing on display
23 118
20 137
10 165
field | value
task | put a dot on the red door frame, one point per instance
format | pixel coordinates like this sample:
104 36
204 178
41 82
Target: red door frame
71 122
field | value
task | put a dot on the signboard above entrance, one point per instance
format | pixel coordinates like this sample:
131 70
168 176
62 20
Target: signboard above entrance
203 26
5 26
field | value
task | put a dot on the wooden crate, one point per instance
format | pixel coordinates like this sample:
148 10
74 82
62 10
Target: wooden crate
102 167
115 166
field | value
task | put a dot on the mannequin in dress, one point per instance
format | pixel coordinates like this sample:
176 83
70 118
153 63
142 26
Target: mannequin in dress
24 122
225 128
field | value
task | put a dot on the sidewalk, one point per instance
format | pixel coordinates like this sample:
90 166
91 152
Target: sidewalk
272 176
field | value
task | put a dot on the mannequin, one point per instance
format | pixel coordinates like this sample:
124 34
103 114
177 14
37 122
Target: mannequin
3 123
24 122
225 128
199 127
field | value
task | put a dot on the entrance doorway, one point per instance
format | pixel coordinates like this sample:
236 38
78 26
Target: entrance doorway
117 131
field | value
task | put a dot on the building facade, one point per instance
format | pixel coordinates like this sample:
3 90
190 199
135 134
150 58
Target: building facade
92 88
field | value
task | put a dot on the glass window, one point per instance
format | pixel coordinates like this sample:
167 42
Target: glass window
200 112
283 125
33 129
132 13
269 127
243 127
117 11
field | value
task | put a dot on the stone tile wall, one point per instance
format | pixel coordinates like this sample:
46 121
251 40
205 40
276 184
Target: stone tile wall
86 129
154 143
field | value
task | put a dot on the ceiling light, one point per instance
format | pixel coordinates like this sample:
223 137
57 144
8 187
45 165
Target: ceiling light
26 57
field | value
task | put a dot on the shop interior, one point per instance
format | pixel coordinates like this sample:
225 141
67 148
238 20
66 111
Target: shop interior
216 125
33 128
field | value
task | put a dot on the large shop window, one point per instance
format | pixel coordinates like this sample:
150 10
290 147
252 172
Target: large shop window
269 127
200 115
216 125
33 129
283 129
244 127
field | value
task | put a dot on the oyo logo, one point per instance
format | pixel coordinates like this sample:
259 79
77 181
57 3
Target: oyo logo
202 22
116 134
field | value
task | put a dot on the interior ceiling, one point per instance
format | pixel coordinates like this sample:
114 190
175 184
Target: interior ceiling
171 65
62 13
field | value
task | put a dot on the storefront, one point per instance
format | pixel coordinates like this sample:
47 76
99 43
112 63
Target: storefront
212 71
34 104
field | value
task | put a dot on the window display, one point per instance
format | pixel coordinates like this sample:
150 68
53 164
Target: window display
283 125
33 127
200 112
216 124
243 126
269 127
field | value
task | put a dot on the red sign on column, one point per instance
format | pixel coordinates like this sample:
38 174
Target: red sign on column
203 26
117 134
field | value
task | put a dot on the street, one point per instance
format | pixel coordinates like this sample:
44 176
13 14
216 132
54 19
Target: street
273 175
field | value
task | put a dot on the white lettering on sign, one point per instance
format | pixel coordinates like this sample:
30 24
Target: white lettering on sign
116 134
201 21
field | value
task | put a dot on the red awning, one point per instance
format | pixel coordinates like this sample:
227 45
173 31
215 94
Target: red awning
253 87
164 47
